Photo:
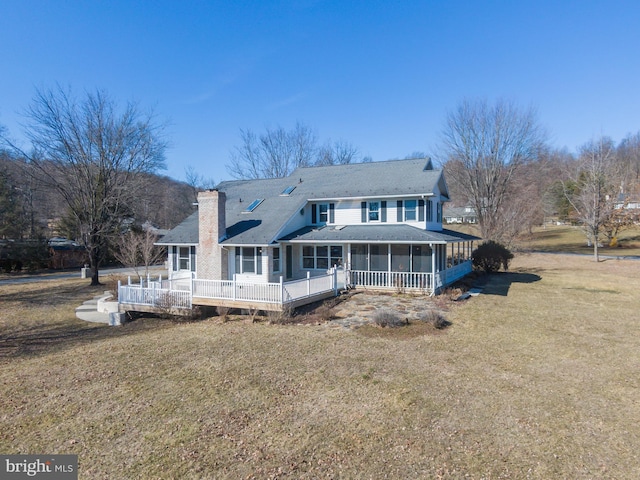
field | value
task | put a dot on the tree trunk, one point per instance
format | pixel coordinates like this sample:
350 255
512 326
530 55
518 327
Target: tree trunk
94 260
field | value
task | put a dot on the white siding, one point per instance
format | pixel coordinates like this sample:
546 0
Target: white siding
348 212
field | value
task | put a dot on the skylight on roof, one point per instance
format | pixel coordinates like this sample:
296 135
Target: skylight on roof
288 190
253 205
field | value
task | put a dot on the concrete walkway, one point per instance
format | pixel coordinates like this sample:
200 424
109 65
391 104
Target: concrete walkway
88 311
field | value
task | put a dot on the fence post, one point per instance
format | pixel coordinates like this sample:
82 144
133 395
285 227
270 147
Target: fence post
334 279
234 286
308 284
129 280
191 288
153 293
119 294
281 290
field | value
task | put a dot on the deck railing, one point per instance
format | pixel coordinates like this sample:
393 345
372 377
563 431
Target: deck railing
422 281
307 287
153 295
242 291
160 293
393 280
180 293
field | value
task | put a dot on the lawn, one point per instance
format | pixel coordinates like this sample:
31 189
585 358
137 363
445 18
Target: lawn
566 239
535 378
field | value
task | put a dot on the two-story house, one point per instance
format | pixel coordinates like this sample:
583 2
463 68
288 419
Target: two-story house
378 224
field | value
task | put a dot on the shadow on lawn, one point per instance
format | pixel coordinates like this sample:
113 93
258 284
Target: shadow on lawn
40 336
44 339
499 283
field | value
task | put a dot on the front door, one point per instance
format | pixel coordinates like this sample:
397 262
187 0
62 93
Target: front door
289 260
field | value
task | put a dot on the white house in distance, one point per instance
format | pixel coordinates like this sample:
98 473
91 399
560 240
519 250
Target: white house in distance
371 225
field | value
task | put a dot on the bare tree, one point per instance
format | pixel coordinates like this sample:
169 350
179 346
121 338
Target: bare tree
628 155
484 146
197 182
137 249
95 156
591 189
339 152
274 154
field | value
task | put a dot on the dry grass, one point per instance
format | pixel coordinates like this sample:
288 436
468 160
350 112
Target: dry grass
566 239
536 378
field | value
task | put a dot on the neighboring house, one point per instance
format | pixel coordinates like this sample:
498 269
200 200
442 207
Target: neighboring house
627 201
460 215
364 225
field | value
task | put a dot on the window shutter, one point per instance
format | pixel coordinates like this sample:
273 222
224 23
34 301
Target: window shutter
332 213
399 211
363 211
421 210
383 211
314 214
192 254
174 258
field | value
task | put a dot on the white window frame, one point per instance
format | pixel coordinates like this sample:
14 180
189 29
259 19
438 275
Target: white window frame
241 258
408 210
180 258
275 260
313 260
373 215
323 212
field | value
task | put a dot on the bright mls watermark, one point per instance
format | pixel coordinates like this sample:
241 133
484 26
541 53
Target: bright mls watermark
50 467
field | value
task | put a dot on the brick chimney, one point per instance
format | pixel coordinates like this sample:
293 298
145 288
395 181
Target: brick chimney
212 259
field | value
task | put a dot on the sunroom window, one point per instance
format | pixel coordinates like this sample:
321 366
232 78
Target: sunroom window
321 257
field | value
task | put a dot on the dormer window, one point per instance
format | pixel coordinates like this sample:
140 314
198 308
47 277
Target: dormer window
322 213
253 205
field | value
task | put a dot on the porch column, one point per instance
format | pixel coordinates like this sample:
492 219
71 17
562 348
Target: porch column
434 254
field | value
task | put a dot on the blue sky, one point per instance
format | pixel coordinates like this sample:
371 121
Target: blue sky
381 75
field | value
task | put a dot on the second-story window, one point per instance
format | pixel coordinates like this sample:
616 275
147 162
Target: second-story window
409 210
323 212
374 211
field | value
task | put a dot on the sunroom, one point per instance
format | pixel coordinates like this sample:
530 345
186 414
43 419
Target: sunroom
383 257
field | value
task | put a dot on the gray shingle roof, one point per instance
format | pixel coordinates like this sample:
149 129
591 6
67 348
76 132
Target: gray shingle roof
375 234
185 233
360 180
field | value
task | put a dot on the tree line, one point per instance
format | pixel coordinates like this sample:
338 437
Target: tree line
92 172
497 159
